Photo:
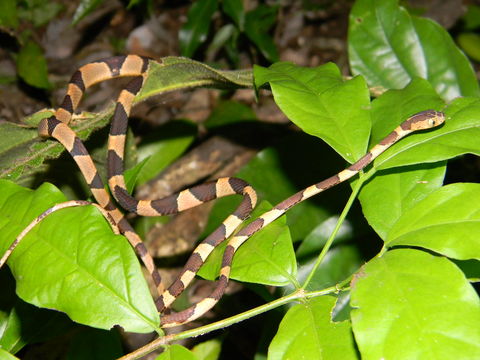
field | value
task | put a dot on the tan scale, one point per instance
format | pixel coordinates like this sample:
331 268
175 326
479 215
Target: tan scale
204 250
271 215
187 200
223 187
75 94
65 135
94 73
117 144
132 65
63 115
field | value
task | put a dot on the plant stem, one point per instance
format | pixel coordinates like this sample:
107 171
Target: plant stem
298 294
340 221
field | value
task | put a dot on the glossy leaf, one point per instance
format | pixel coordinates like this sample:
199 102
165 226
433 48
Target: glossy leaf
409 304
392 193
307 330
389 47
322 104
72 262
194 32
176 352
447 222
394 106
32 66
162 147
5 355
208 350
459 135
266 258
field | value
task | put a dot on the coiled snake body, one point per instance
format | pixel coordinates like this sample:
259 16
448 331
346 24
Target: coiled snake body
137 67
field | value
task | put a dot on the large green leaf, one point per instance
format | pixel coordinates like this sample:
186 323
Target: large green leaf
266 258
392 193
208 350
5 355
194 32
257 24
412 305
72 262
447 221
307 331
459 135
320 102
32 66
389 47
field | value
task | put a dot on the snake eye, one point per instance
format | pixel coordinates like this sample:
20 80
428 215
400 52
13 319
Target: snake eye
432 122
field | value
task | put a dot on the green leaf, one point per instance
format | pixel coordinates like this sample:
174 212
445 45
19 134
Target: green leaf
72 262
266 258
194 32
307 331
94 344
161 147
176 352
229 112
472 17
234 9
208 350
8 14
340 262
412 305
257 24
392 193
394 106
322 104
447 222
32 66
84 8
317 238
470 44
389 47
5 355
459 135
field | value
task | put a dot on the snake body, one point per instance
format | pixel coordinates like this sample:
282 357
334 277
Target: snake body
137 67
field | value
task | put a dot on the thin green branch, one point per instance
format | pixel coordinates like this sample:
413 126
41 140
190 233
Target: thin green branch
296 295
340 221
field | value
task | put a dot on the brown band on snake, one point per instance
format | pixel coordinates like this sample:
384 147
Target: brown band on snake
423 120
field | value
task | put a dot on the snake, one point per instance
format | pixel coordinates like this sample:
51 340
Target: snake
137 67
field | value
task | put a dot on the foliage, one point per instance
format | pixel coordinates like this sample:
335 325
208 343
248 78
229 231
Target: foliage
411 298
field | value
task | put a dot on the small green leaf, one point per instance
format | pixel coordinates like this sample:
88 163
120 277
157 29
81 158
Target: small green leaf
392 193
447 222
389 47
176 352
234 9
230 112
472 17
8 14
161 147
208 350
84 8
72 262
257 24
470 44
459 135
194 32
307 331
266 258
322 104
412 305
5 355
94 344
32 66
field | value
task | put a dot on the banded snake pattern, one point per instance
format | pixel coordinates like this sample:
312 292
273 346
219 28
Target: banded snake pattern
137 67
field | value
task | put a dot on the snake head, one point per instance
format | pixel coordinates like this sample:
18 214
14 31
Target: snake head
424 120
